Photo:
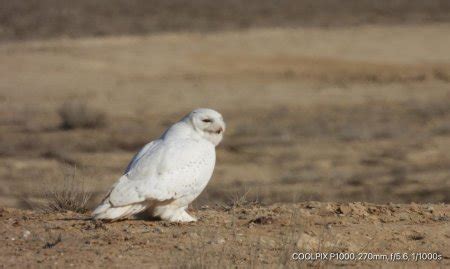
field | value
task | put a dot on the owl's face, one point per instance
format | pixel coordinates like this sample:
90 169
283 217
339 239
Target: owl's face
208 123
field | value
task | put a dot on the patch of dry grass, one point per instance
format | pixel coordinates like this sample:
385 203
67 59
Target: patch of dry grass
77 114
71 195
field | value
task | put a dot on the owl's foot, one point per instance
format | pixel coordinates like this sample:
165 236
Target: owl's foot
172 214
181 216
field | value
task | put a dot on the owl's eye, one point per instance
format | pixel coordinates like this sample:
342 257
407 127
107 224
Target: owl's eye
207 120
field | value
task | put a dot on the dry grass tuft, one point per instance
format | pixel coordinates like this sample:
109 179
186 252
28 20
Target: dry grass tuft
70 196
240 199
76 114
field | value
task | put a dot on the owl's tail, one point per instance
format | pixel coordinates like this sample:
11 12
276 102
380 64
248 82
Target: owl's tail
106 211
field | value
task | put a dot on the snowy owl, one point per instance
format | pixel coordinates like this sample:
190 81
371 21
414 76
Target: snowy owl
168 173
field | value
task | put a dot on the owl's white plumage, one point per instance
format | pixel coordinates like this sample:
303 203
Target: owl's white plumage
168 173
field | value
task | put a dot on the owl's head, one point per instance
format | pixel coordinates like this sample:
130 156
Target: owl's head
208 123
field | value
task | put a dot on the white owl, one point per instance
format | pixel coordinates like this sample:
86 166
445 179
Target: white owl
169 173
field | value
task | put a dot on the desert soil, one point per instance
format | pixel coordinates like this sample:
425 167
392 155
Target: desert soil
247 235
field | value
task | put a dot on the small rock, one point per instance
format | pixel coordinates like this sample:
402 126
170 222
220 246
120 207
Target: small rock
374 210
14 222
358 209
344 210
217 241
267 242
262 220
26 234
414 207
194 235
416 236
328 208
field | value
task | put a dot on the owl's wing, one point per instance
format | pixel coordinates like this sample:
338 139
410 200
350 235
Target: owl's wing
162 171
146 149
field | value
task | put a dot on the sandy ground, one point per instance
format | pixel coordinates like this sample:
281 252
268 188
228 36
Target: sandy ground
246 235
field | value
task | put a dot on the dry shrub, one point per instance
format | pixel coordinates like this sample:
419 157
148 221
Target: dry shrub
239 199
76 114
68 196
442 129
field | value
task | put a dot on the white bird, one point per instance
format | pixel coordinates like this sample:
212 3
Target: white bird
167 174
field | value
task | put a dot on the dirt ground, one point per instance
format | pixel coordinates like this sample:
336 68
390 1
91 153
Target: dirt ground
245 235
354 118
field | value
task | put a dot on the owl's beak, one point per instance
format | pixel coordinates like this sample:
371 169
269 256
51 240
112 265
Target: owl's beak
220 127
219 131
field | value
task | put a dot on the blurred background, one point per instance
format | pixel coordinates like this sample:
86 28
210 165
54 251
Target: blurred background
325 100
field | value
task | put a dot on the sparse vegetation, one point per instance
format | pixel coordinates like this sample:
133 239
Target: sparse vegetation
77 114
240 199
71 195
